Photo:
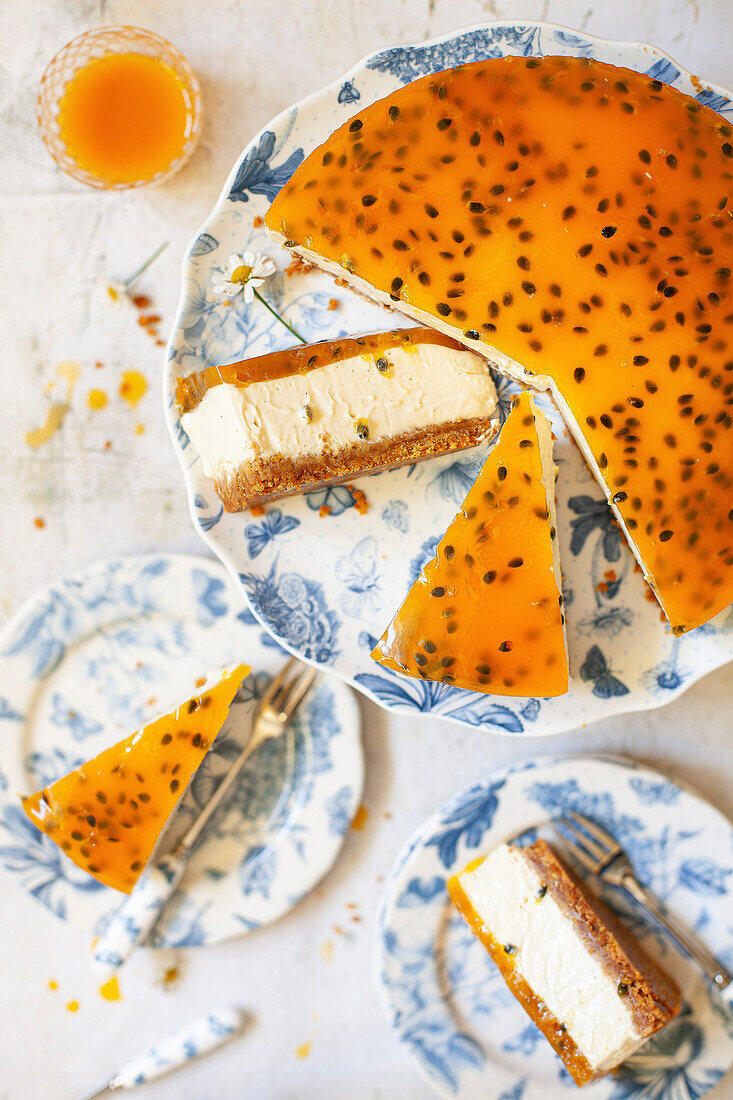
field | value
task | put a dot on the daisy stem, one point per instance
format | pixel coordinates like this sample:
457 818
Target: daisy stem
136 275
280 319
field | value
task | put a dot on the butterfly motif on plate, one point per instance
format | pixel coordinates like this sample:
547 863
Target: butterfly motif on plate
358 572
595 669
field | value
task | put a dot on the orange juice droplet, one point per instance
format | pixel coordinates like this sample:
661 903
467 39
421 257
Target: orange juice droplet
125 117
96 399
110 991
133 386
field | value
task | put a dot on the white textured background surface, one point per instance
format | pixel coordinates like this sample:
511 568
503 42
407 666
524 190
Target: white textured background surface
253 57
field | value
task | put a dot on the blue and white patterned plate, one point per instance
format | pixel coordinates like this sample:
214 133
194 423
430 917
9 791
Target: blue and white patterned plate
89 659
447 1002
326 586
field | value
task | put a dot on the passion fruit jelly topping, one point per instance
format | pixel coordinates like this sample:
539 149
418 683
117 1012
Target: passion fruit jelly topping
485 612
107 815
190 391
572 220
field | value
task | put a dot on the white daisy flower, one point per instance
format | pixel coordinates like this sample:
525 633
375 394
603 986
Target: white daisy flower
117 295
243 273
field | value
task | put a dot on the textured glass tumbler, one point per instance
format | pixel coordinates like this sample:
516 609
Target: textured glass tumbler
74 57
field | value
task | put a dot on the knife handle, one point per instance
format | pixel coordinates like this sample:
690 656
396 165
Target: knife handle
201 1036
131 924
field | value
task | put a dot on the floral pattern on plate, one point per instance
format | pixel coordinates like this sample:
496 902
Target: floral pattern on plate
326 579
91 658
447 1002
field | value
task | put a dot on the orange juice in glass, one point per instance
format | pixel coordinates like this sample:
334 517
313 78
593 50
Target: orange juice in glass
119 107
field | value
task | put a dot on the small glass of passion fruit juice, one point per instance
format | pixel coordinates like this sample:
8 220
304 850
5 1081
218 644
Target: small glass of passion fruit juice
119 107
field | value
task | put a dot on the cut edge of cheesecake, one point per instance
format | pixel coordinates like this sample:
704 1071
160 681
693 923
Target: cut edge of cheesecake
650 995
503 363
261 477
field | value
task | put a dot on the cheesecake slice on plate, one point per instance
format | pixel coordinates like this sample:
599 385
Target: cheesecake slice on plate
294 420
108 814
485 613
590 988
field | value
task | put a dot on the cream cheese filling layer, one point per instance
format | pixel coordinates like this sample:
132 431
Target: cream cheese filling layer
304 414
504 891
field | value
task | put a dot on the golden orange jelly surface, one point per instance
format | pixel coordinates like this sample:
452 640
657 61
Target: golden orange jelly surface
485 612
577 217
553 1029
301 360
125 117
107 816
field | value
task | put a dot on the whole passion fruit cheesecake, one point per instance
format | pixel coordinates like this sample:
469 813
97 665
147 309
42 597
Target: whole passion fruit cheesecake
571 221
107 815
485 613
593 992
290 421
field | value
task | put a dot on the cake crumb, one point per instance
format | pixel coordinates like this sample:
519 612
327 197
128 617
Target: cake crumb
360 818
139 429
53 984
298 266
360 501
72 1006
257 222
200 681
333 303
98 365
303 1050
326 950
39 521
340 282
108 445
324 510
171 975
256 510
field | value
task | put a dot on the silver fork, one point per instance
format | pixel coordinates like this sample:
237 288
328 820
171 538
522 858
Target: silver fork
275 709
601 854
132 923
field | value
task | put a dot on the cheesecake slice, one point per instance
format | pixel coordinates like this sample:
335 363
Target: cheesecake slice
295 420
485 613
107 815
593 992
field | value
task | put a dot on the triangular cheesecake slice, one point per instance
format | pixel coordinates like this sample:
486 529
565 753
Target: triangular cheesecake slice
107 816
486 611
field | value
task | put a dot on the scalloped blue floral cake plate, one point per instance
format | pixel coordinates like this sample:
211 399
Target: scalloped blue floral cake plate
327 585
446 1001
91 658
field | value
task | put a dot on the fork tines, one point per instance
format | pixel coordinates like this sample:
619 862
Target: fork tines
591 845
285 691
